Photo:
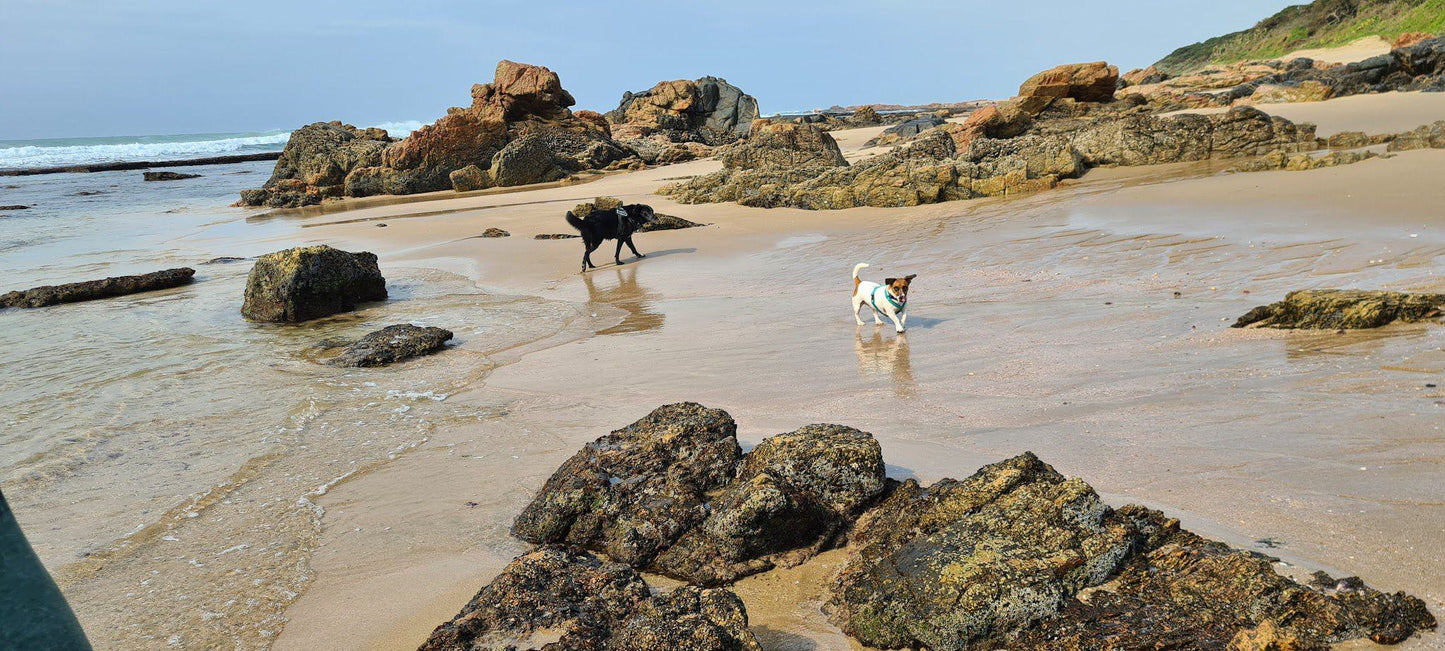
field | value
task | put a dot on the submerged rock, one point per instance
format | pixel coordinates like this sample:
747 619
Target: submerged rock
15 207
1334 309
392 344
566 601
632 493
310 282
1003 560
168 176
93 289
793 494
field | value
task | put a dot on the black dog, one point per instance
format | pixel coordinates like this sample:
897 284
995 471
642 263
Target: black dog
615 224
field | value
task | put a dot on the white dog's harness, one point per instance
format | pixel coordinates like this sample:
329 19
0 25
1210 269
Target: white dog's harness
873 301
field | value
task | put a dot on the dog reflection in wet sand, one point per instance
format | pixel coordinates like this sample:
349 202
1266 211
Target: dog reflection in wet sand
628 295
880 356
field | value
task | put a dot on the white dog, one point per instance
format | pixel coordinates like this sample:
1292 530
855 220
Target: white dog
889 299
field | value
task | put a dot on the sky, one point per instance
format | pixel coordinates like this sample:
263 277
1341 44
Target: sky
71 68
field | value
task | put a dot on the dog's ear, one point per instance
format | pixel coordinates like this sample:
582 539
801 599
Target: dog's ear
910 277
889 281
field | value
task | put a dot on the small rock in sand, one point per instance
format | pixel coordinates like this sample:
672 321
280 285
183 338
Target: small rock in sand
555 236
495 232
392 344
1327 309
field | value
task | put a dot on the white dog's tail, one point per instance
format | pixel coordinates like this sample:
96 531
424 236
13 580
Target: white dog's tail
857 268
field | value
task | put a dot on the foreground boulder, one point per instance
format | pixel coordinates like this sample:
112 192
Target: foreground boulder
519 129
93 289
564 601
315 163
310 282
632 493
392 344
793 493
1339 309
1002 559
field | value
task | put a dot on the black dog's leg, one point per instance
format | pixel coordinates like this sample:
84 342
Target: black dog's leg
632 246
588 248
617 255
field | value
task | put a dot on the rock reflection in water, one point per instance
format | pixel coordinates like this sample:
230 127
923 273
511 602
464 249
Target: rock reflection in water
879 355
627 295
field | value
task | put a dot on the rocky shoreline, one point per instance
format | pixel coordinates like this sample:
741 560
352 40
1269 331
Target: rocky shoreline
1014 556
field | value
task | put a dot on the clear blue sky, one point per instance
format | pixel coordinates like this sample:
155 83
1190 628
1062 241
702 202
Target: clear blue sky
129 67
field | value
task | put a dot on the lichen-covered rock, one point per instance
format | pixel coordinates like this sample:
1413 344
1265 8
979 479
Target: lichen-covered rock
470 178
1308 91
566 601
1085 82
1332 309
392 344
526 160
93 289
1005 559
793 493
1181 590
315 162
632 493
310 282
786 145
1300 162
962 562
1430 136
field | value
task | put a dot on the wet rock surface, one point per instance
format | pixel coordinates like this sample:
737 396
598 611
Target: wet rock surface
392 344
48 295
168 176
518 130
794 492
1332 309
634 492
310 282
569 601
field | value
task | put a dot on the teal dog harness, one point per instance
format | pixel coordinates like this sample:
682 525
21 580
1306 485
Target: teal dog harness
873 300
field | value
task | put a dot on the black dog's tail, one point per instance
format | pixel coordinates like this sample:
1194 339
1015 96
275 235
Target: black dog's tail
576 222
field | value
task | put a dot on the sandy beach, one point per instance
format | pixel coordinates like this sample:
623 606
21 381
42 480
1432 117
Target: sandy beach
1088 324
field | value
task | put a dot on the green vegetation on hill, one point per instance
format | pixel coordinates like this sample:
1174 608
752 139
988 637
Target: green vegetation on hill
1323 23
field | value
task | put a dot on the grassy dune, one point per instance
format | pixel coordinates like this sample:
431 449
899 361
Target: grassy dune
1323 23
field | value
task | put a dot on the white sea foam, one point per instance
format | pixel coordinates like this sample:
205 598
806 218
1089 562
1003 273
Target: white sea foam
24 154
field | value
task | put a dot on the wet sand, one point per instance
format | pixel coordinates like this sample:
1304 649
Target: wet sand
1044 323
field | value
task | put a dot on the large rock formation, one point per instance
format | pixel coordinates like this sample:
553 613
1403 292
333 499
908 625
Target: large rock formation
757 170
677 121
1002 560
310 282
673 494
632 493
1085 82
93 289
566 601
518 130
315 163
392 344
1334 309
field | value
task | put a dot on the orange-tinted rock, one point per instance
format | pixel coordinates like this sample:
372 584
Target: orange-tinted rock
1086 82
1409 38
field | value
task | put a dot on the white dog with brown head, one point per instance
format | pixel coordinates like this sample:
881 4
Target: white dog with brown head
889 299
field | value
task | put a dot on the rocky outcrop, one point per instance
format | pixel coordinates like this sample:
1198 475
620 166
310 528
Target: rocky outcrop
518 129
94 289
392 344
866 116
1302 162
792 495
905 130
567 601
1337 309
1430 136
168 176
784 145
1017 147
708 110
632 493
1003 559
310 282
1085 82
673 493
315 164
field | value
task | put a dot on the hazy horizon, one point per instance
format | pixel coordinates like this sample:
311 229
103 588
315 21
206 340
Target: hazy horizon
84 69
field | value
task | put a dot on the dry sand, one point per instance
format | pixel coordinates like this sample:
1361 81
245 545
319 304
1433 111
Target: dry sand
1359 50
1044 323
1372 114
